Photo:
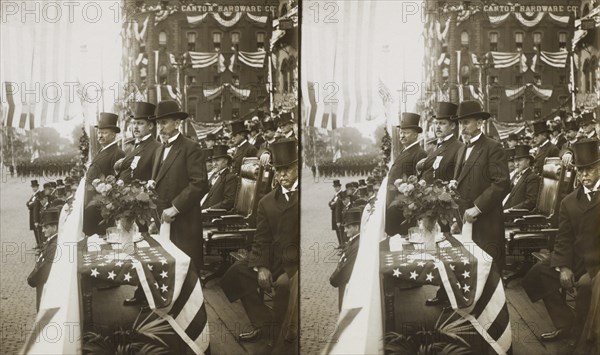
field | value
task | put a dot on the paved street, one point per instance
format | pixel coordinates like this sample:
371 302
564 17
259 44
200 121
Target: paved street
318 300
17 299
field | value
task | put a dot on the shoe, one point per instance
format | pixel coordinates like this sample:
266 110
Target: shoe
436 301
134 301
251 335
554 335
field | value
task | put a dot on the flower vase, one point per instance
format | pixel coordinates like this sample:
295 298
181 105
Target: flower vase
126 235
428 230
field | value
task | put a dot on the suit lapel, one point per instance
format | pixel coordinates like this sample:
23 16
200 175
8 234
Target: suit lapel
156 165
459 161
470 162
168 161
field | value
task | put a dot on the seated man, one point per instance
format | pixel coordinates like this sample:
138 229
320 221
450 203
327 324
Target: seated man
341 275
576 256
525 183
38 277
223 183
275 252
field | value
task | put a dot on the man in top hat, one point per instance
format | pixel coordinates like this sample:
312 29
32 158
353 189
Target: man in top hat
101 166
179 175
404 166
587 125
255 137
575 260
341 275
274 256
286 125
545 148
137 163
269 135
441 162
571 131
337 188
223 183
38 277
525 183
243 148
512 140
210 140
35 186
510 156
557 136
482 181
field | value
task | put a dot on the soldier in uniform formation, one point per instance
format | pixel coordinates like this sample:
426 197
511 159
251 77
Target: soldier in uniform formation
357 165
58 165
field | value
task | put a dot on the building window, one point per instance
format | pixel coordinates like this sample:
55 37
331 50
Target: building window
260 40
464 39
587 76
537 40
162 39
537 79
143 73
235 79
192 106
594 74
217 112
191 39
562 41
235 113
191 79
217 79
465 74
519 80
519 40
162 74
493 41
216 37
562 79
235 40
493 80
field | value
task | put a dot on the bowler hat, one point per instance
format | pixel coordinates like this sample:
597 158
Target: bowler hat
353 216
523 151
586 152
143 111
285 152
362 182
50 216
446 111
510 153
59 182
410 120
169 109
220 151
238 127
207 152
571 126
585 119
108 121
540 127
35 183
471 109
336 183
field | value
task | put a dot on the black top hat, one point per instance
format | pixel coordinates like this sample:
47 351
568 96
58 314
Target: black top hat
471 109
269 126
285 152
571 126
169 109
362 182
349 185
353 216
220 151
285 118
336 183
35 183
513 137
108 121
540 127
510 153
59 182
47 185
143 111
238 127
446 111
410 120
522 151
210 137
586 152
50 216
585 119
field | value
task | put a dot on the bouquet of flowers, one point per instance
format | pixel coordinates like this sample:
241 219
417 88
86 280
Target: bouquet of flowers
419 200
127 203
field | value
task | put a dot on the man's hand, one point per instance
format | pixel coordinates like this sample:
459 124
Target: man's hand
265 158
567 158
471 215
169 214
117 166
567 279
265 279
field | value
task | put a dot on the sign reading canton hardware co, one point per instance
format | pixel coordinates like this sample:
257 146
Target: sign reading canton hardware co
530 8
227 8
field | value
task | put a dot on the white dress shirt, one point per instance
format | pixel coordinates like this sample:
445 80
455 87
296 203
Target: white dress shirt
168 149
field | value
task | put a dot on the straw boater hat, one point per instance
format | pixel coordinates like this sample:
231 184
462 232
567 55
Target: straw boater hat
471 109
169 109
108 121
586 152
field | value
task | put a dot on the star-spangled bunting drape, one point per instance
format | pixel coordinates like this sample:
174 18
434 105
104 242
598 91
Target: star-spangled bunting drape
543 94
226 21
212 93
528 19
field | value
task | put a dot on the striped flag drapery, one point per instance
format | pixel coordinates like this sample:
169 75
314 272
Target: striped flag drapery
252 59
505 59
203 59
555 59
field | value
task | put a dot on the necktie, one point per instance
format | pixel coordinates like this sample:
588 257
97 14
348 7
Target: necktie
168 144
289 195
470 144
439 144
591 195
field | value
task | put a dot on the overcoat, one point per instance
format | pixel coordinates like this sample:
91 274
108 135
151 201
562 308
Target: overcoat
138 163
524 193
221 195
441 163
547 151
244 151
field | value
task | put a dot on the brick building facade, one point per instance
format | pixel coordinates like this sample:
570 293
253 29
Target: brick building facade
587 57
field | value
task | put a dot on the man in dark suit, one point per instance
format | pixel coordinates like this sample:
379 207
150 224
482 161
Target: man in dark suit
243 148
179 176
137 163
102 165
404 166
541 137
286 125
337 187
30 204
223 183
575 260
482 181
274 256
441 163
587 125
525 183
264 152
38 277
343 271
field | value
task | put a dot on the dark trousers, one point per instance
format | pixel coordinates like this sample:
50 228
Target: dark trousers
543 282
341 235
38 234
